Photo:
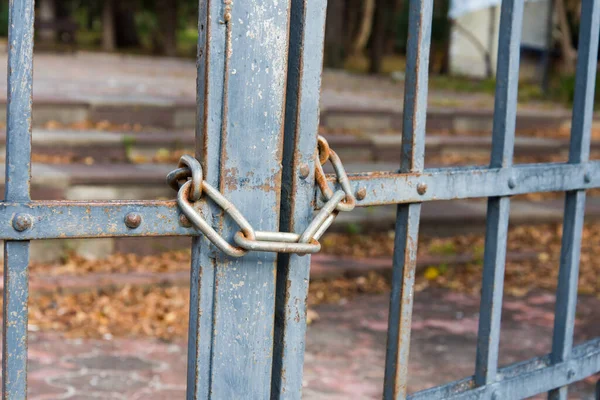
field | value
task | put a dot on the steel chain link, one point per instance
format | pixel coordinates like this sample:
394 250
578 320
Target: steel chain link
188 181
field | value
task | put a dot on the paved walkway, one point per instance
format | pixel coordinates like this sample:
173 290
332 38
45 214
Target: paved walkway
345 351
109 78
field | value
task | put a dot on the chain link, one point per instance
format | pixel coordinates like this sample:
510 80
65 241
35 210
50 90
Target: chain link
188 181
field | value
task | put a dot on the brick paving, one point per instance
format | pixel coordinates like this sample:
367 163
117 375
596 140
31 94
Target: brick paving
345 351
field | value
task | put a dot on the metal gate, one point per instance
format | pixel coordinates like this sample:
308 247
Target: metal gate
259 65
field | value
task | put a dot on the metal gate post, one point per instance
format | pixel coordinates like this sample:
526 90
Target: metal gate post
408 215
498 208
18 174
307 30
579 152
242 72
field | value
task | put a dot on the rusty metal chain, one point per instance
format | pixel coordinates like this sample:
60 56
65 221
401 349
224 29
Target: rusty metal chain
188 181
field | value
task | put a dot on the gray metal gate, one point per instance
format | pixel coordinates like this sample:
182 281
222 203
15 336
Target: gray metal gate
258 103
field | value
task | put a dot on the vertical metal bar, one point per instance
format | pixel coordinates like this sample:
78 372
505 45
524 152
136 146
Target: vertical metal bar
18 174
307 30
503 137
583 108
209 99
241 88
407 220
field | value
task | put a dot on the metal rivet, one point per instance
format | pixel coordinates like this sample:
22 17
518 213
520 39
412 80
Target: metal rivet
22 222
587 178
361 193
133 220
512 183
421 188
304 171
184 221
570 373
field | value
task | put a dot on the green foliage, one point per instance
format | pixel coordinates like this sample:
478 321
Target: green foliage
565 89
478 252
128 143
187 41
527 90
443 249
147 26
4 18
460 84
443 268
353 228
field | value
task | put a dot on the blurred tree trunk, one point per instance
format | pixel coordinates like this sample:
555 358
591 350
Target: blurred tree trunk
125 27
366 26
47 13
167 22
109 42
352 18
377 48
569 53
334 34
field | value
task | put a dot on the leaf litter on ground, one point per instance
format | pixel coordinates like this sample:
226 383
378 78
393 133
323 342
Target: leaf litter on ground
162 312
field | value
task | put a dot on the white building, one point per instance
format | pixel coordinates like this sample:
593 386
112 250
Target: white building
475 30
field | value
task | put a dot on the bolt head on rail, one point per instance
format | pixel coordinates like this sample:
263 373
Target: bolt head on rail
133 220
22 222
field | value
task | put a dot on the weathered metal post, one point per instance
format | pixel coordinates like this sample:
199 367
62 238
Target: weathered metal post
307 32
17 189
242 73
408 215
579 152
503 139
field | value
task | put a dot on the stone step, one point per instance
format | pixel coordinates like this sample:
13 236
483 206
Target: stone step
147 181
144 147
180 113
453 120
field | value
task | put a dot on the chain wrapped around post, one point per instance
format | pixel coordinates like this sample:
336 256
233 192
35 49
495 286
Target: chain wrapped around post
188 181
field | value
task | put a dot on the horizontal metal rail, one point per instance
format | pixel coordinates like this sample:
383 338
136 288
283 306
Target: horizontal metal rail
63 219
472 182
525 379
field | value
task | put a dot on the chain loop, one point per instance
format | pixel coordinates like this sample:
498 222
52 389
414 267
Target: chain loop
349 201
204 227
197 176
280 242
188 181
322 216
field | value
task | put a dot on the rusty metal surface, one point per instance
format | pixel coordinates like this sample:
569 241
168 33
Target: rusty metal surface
18 177
524 379
261 182
579 151
470 182
65 220
498 209
68 219
188 181
241 91
412 160
306 37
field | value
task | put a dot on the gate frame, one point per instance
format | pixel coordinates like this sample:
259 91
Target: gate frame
267 362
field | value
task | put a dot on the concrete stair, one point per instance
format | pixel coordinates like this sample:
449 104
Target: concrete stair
147 147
